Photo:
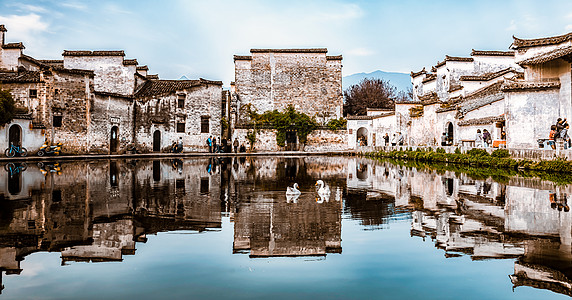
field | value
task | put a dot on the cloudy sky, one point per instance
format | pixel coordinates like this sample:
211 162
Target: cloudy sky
199 38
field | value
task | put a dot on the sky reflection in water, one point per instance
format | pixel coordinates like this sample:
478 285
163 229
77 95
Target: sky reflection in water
224 229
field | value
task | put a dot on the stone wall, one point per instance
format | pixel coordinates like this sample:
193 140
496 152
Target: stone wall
309 81
111 75
318 140
108 112
161 114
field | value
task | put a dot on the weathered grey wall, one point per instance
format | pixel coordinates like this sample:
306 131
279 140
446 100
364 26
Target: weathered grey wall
308 81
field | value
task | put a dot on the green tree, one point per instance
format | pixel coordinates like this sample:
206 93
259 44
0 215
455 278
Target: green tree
368 93
7 107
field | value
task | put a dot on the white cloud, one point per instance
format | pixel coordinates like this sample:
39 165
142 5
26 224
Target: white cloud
512 26
24 27
73 5
339 13
360 52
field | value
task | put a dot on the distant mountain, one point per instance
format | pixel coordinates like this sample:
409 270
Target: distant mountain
401 81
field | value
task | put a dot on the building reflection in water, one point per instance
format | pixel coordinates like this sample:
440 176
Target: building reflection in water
98 211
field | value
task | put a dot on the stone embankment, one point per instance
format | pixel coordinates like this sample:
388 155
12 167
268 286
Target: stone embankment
537 160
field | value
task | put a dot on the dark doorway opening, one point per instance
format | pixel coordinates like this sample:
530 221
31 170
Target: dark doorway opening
15 135
291 141
114 140
450 134
157 141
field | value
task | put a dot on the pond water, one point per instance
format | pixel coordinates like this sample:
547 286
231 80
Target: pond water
225 229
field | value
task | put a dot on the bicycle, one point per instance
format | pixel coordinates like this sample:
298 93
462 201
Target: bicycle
13 150
14 169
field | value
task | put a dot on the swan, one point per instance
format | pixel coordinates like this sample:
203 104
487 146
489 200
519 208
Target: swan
293 190
323 191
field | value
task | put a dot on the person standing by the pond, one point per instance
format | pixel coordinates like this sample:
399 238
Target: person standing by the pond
565 137
210 144
386 139
479 139
215 145
444 139
400 138
552 137
235 145
486 138
394 140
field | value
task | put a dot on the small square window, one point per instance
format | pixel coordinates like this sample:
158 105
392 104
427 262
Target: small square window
57 121
204 124
33 93
181 101
181 127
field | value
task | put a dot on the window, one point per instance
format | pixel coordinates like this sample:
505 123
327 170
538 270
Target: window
57 121
181 101
181 127
204 124
204 185
223 108
33 93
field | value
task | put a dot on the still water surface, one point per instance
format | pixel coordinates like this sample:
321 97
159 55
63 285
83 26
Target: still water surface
225 229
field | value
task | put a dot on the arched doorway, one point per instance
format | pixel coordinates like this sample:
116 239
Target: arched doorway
157 141
361 137
15 135
291 140
450 133
114 139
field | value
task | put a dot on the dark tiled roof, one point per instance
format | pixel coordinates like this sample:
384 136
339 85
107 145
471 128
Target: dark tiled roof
491 89
455 87
206 81
307 50
130 62
360 117
93 53
522 43
415 74
491 53
429 98
20 77
453 58
144 68
548 56
242 57
3 28
429 77
13 46
456 58
55 66
162 87
481 121
113 95
487 76
524 85
52 62
479 98
334 57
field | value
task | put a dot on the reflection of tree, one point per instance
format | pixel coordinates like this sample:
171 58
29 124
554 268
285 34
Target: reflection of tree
371 212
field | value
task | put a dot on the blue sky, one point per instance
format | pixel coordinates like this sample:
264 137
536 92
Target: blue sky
199 38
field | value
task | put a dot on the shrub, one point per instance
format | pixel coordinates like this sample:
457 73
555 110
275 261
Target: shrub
500 153
441 150
476 152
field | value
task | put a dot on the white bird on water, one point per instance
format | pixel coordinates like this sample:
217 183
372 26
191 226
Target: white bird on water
292 190
323 191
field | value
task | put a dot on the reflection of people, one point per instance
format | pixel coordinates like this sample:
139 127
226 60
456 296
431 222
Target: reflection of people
479 139
444 139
